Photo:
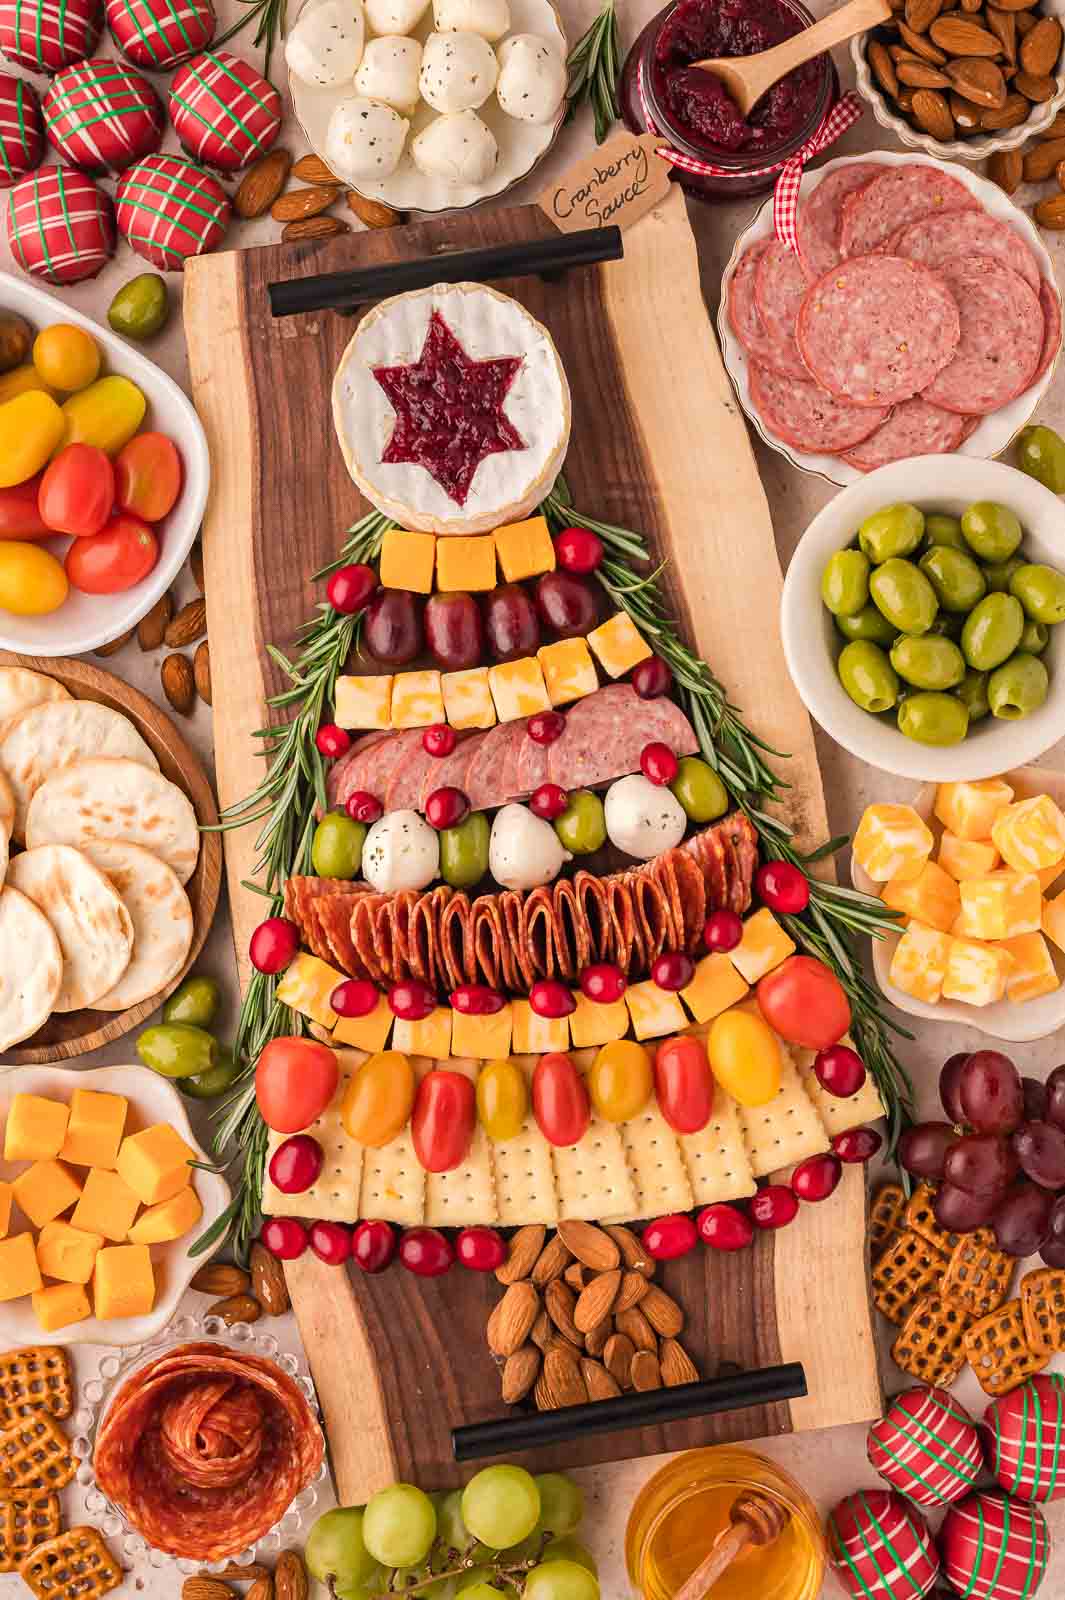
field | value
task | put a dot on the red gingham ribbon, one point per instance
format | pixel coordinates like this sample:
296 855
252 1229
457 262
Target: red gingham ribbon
843 115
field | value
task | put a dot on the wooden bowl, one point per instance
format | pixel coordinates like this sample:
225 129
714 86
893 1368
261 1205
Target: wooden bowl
74 1033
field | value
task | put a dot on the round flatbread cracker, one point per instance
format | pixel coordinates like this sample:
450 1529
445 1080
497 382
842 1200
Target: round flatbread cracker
107 798
47 737
31 970
161 914
94 929
7 822
20 689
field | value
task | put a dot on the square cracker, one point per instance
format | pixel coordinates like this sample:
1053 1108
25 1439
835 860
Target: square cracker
659 1174
593 1176
467 1194
335 1194
838 1114
716 1157
525 1178
786 1129
393 1183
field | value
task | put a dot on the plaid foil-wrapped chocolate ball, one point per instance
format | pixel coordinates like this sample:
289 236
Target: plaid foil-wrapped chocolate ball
880 1547
159 34
45 35
993 1547
1023 1435
170 209
60 226
102 116
927 1447
21 130
224 112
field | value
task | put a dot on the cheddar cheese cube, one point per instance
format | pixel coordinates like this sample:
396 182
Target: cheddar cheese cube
363 702
976 973
6 1196
1053 920
108 1205
1030 834
468 698
417 701
466 564
919 964
430 1036
596 1022
716 985
533 1035
155 1163
19 1272
46 1190
170 1219
67 1252
95 1129
407 561
892 842
966 858
1033 972
484 1038
618 645
654 1012
568 669
969 808
369 1033
764 946
60 1305
35 1128
932 897
123 1283
307 985
525 549
518 689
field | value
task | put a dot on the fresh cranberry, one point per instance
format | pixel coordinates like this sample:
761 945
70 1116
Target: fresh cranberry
373 1245
412 1001
480 1249
355 997
446 807
603 982
774 1206
331 741
296 1163
545 727
816 1177
782 887
670 1237
857 1144
550 998
724 1227
722 931
350 587
658 763
839 1070
651 678
548 801
331 1242
284 1237
672 970
439 740
362 806
578 550
425 1252
477 1000
273 945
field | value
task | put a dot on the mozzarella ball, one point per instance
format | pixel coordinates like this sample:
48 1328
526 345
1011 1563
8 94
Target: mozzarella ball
459 71
364 139
401 851
524 851
456 149
643 818
395 16
489 18
532 78
325 46
389 71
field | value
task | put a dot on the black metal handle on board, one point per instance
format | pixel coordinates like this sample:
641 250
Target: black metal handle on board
535 1430
338 291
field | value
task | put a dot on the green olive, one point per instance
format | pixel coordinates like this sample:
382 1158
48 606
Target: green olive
1041 591
904 595
991 530
336 851
939 529
934 718
892 531
1041 453
972 692
216 1080
992 631
928 662
845 583
582 826
955 577
868 623
998 574
868 676
1035 636
195 1001
464 851
699 790
176 1050
1018 687
141 307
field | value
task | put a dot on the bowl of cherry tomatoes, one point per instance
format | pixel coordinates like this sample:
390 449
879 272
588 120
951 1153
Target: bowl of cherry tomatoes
104 474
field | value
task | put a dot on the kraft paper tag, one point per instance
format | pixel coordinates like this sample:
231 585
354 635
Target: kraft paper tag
613 187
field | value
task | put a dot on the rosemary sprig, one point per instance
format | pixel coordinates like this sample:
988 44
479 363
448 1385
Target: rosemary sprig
594 65
270 16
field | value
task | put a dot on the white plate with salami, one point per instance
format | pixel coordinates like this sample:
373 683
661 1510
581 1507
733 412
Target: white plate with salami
935 326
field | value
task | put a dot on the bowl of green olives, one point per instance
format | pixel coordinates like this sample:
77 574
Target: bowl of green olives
920 618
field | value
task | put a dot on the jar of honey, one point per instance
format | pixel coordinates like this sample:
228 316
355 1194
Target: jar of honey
682 1511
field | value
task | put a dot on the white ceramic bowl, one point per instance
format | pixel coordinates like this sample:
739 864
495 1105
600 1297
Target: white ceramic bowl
151 1099
812 642
85 621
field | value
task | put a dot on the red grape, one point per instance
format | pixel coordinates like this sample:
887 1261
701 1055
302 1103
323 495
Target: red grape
923 1149
651 677
960 1212
1040 1149
948 1085
1035 1100
392 627
510 624
990 1093
1055 1087
980 1163
1022 1221
454 631
1053 1253
567 605
1057 1220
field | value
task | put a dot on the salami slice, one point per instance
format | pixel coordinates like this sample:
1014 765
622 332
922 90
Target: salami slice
750 330
482 776
1050 305
915 428
817 223
1001 338
404 791
455 942
532 766
878 329
605 733
367 765
962 234
897 196
807 416
780 281
449 772
511 756
364 935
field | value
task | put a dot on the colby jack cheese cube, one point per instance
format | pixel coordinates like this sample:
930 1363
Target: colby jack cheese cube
485 1038
969 809
1032 973
468 698
1000 906
168 1220
932 897
525 549
654 1011
764 946
967 858
35 1128
307 985
976 973
369 1033
60 1305
1031 834
518 689
536 1035
716 985
466 563
407 561
46 1190
123 1282
892 842
430 1036
107 1205
417 701
569 671
6 1196
595 1023
919 964
155 1163
363 702
618 645
19 1272
66 1252
94 1131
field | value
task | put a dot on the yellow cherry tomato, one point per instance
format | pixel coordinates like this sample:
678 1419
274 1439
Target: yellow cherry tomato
744 1056
377 1102
31 426
619 1083
502 1100
19 380
66 357
32 581
106 414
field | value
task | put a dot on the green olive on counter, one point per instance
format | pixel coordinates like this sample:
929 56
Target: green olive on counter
955 577
1041 453
699 790
845 583
336 850
215 1081
892 531
195 1001
939 529
903 594
972 692
1035 636
997 574
141 307
1041 591
1018 687
992 631
928 661
992 531
582 826
176 1050
868 676
940 719
868 623
464 851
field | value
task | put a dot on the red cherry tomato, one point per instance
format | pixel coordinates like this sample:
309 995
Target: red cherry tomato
148 476
560 1100
684 1083
443 1120
77 493
116 558
295 1079
20 517
805 1003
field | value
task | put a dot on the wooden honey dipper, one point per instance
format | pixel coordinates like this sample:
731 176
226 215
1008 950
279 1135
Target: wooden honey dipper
756 1521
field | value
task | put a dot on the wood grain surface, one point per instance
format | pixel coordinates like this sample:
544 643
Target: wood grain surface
658 444
74 1033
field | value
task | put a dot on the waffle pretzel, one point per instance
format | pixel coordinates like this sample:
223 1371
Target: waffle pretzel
998 1351
25 1522
886 1217
921 1219
35 1456
906 1272
34 1378
979 1274
930 1346
75 1565
1043 1310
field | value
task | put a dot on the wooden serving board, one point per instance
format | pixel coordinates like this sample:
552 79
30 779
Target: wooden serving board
659 445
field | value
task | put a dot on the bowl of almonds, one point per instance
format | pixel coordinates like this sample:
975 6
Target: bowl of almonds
962 79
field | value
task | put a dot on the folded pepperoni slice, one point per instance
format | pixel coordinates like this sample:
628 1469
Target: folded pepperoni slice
422 935
455 942
691 889
486 939
591 897
510 904
652 914
572 926
628 938
363 935
335 915
538 932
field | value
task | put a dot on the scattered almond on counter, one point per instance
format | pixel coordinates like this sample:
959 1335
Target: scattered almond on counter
114 645
261 184
151 629
218 1277
374 213
321 227
188 625
268 1281
312 169
298 203
201 671
178 683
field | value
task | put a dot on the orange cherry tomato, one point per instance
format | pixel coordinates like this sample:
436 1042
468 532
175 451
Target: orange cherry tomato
116 558
805 1002
444 1119
77 492
378 1100
619 1083
560 1100
295 1079
148 473
744 1054
684 1084
19 514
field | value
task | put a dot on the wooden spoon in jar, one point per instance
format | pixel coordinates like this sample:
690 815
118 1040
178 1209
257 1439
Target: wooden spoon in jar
748 77
756 1520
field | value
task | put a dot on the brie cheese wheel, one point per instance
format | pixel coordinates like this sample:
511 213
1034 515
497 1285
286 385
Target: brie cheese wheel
524 851
458 73
532 78
489 18
389 72
395 16
457 148
401 851
325 46
485 326
643 818
364 139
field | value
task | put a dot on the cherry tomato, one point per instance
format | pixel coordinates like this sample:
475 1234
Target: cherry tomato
560 1100
684 1084
443 1120
805 1003
295 1079
619 1082
148 476
115 559
32 581
744 1056
19 514
66 356
378 1099
502 1100
77 492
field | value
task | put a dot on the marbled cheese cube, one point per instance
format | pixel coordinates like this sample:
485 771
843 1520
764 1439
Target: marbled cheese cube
932 897
525 549
363 702
518 689
569 671
1030 834
482 1038
966 858
969 809
716 985
1048 876
976 973
307 985
654 1011
417 700
1033 972
919 964
468 698
1001 906
369 1033
596 1022
465 564
532 1035
892 842
1053 919
407 561
764 946
618 645
429 1036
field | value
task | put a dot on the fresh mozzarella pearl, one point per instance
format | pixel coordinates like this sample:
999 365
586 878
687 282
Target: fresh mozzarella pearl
532 78
643 818
395 16
489 18
364 139
325 46
524 851
456 149
459 71
389 71
401 851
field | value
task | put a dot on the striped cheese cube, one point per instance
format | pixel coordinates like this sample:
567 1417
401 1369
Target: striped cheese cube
966 858
654 1011
518 689
533 1035
716 985
932 897
1001 906
468 698
429 1036
618 645
919 964
307 986
892 842
417 700
1033 972
568 669
969 809
484 1038
764 946
976 973
1030 834
363 702
369 1033
597 1022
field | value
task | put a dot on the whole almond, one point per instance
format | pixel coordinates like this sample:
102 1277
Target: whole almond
977 79
201 671
196 565
883 67
1003 24
932 113
1005 167
114 645
261 184
178 682
1037 90
646 1373
239 1574
676 1364
268 1281
217 1277
1051 213
312 169
290 1577
520 1373
632 1250
560 1302
577 1277
636 1327
1026 21
971 5
633 1288
512 1320
1041 47
1041 159
551 1262
960 36
374 213
596 1300
597 1380
617 1357
921 45
187 626
1012 5
563 1377
236 1308
261 1589
1015 111
920 14
595 1339
308 229
591 1245
300 203
206 1588
151 629
966 116
919 75
525 1246
662 1312
542 1332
